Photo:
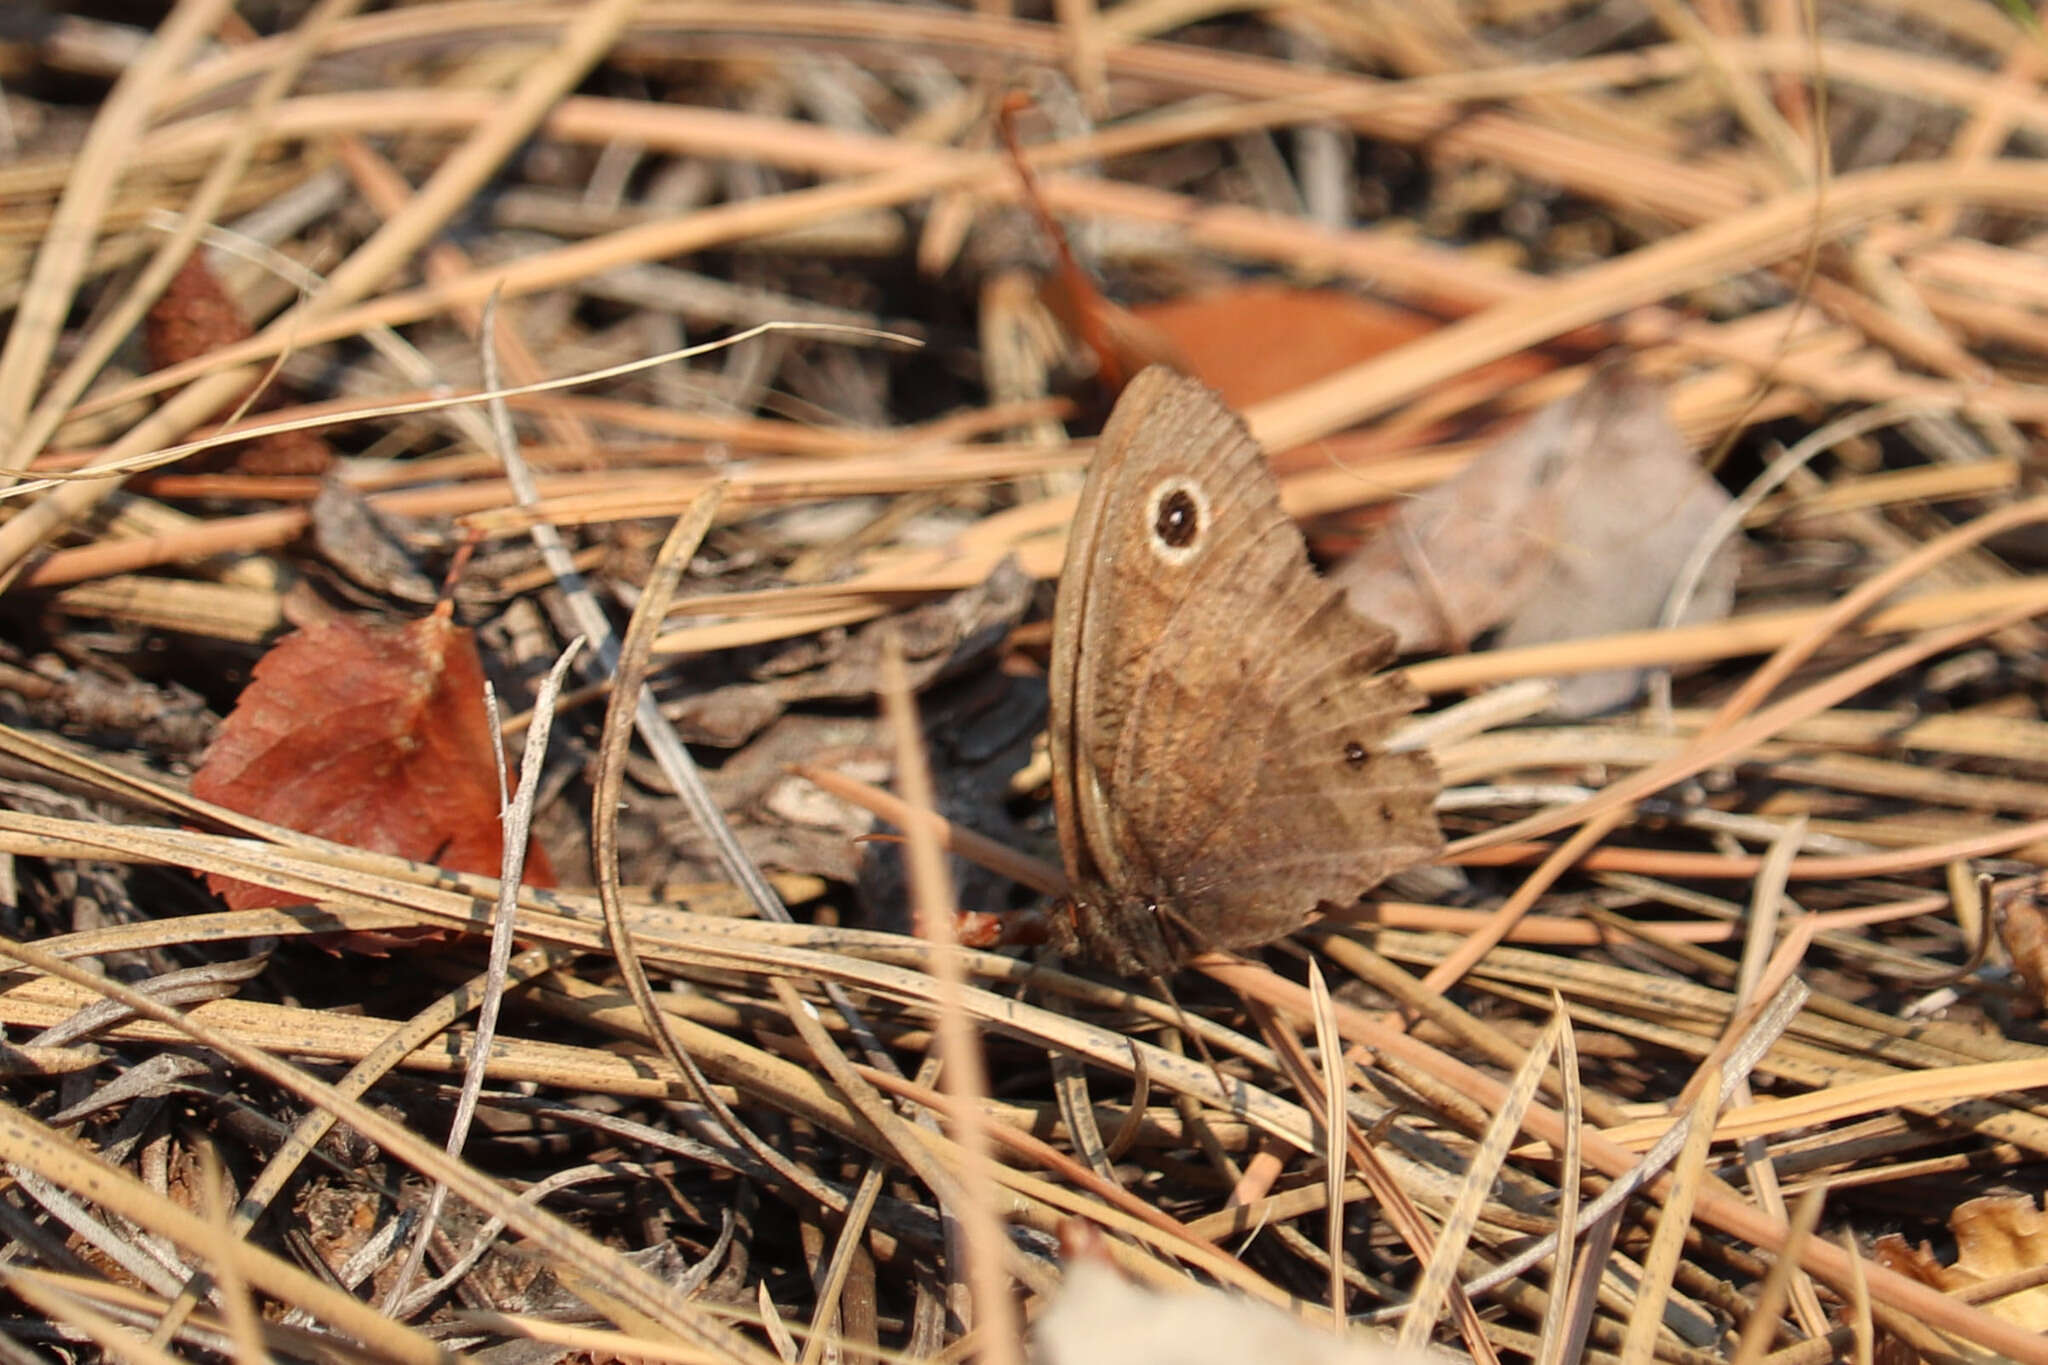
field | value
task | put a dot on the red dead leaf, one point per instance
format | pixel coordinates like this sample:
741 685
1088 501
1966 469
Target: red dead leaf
370 734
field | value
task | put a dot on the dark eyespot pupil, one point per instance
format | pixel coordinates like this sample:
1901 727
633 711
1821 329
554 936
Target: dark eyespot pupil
1354 753
1178 522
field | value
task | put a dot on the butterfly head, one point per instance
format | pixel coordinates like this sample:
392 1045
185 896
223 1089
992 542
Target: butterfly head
1131 935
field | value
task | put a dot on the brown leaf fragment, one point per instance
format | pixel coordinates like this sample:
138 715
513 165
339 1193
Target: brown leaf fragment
285 453
193 317
1894 1252
1575 526
2023 928
1996 1236
196 316
2001 1235
371 734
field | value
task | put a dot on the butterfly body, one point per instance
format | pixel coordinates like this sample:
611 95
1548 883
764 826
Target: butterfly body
1219 714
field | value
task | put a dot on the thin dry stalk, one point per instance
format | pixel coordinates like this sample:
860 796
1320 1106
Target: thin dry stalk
1646 1324
963 1074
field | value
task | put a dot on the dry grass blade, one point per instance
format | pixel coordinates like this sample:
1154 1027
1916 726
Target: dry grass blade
1867 594
28 1144
1766 905
1759 236
1763 1030
1766 1118
583 42
962 1071
517 816
303 1138
1441 1273
206 201
996 857
591 1340
1765 723
608 788
852 1233
628 703
1565 1315
244 1322
1375 1166
1779 1285
1646 1323
1330 1054
106 1333
61 261
1861 1327
492 394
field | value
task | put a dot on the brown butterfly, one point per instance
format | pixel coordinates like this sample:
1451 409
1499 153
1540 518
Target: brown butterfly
1218 712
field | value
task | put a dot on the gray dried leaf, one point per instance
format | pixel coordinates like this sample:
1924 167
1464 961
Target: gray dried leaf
659 841
1574 526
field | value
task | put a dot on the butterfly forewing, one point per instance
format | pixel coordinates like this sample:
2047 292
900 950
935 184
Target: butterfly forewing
1118 594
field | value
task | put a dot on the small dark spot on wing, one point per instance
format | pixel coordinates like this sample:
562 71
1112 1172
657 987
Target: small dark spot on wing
1178 521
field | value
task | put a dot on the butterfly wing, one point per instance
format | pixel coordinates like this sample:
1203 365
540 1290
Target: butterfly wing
1224 711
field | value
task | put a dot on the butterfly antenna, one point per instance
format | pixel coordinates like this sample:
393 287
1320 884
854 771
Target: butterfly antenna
1187 1029
1181 936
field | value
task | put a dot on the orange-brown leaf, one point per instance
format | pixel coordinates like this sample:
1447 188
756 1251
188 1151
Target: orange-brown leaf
1255 341
370 734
